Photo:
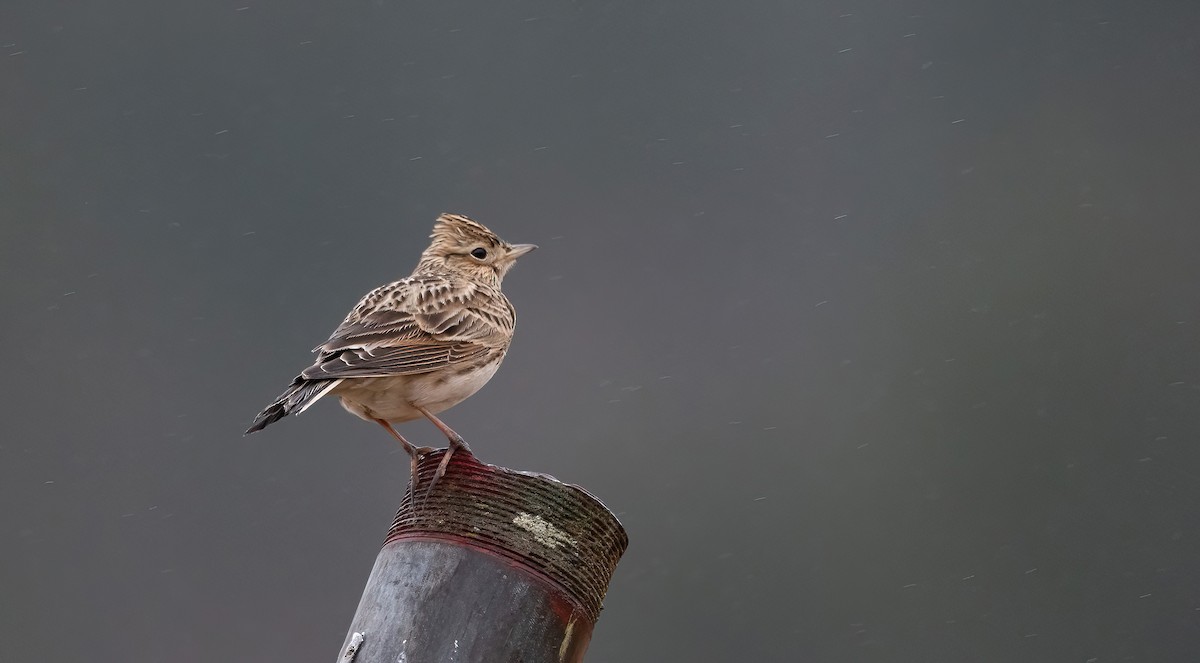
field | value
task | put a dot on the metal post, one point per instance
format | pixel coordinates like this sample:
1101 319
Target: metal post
496 565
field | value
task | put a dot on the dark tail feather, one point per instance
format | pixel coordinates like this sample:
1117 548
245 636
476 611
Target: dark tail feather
297 397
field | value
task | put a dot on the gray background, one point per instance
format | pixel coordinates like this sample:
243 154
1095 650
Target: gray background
875 321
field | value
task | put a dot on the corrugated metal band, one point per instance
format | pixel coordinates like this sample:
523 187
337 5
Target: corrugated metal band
557 530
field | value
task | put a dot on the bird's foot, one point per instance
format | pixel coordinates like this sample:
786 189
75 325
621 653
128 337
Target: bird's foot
456 444
421 452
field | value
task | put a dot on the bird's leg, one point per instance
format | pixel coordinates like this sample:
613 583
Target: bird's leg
414 454
408 446
456 442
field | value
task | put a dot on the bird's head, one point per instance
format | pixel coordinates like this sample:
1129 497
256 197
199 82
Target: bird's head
469 248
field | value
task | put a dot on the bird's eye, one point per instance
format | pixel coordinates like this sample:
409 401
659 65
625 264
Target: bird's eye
479 254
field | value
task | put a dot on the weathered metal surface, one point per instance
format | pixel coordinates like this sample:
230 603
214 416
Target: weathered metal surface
494 566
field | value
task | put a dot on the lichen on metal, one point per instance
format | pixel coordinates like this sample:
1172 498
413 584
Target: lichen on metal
544 531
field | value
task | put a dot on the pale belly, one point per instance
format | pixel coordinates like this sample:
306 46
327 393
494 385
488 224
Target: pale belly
392 398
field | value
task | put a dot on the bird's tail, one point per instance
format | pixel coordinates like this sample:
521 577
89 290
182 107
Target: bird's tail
299 395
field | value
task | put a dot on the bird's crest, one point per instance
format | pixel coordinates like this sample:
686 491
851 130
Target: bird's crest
458 230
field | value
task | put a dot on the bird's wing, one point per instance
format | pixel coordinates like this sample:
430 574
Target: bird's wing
416 325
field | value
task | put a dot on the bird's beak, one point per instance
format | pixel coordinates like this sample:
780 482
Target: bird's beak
518 250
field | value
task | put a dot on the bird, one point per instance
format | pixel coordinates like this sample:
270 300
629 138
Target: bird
417 346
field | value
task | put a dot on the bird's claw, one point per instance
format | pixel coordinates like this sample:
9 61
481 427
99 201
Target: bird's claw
457 445
441 468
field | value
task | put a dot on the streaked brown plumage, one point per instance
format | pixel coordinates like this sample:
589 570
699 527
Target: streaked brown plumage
420 345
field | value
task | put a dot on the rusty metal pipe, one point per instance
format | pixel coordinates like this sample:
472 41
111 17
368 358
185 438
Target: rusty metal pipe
495 565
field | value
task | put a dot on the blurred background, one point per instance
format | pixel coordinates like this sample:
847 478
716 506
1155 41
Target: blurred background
874 321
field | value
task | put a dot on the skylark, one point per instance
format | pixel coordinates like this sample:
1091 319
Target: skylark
420 345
